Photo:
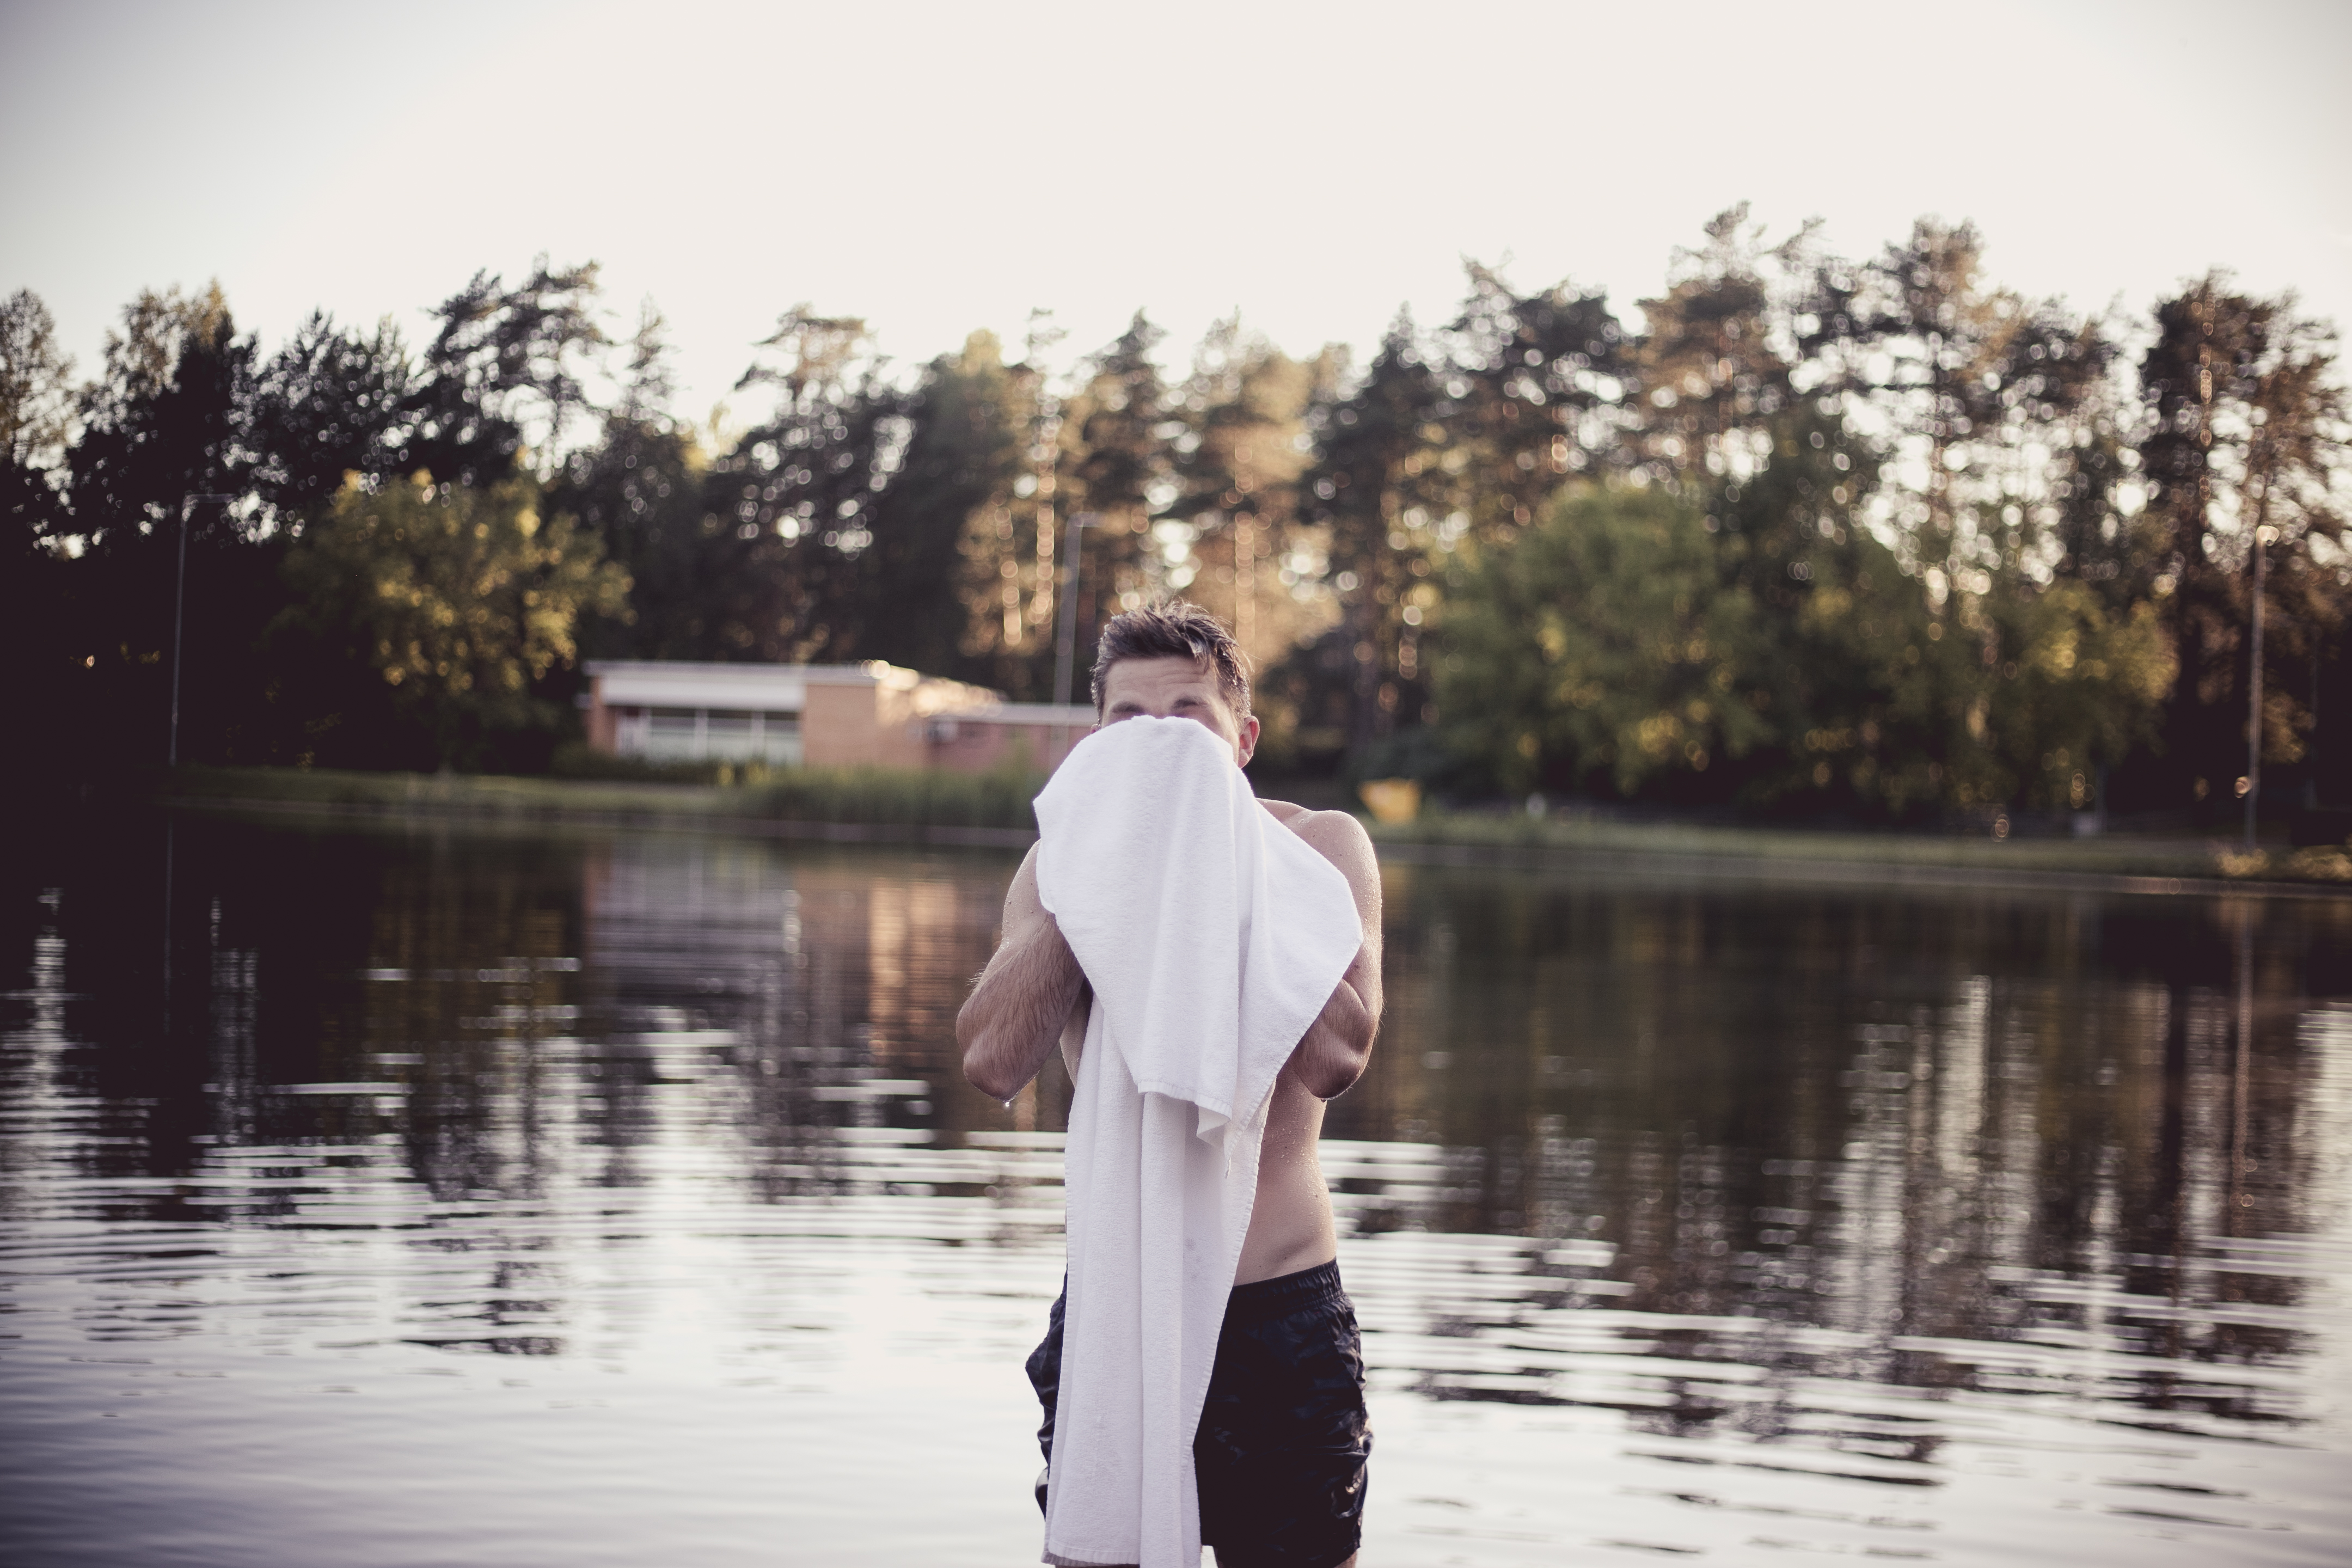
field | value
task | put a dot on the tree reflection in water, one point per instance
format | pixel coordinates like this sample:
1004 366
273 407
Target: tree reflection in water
1851 1187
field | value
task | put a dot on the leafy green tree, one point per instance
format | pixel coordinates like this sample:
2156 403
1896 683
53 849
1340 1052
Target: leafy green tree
1847 683
451 604
1602 649
1860 687
2002 673
1942 542
2080 685
1909 403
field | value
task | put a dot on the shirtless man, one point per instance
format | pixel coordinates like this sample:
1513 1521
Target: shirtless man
1283 1441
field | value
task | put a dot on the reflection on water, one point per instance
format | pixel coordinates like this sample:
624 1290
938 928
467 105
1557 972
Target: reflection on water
495 1199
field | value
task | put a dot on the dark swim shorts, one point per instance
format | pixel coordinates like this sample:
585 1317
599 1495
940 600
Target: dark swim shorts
1284 1439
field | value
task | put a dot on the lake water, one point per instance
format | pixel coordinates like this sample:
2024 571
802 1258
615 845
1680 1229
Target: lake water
444 1198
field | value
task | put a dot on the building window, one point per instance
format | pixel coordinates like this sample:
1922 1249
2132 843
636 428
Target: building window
709 734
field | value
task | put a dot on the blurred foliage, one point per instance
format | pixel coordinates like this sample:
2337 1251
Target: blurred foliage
881 799
504 365
2248 419
460 600
1605 640
1873 537
36 418
578 760
900 798
1615 650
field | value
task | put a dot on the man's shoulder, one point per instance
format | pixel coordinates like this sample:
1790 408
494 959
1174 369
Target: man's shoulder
1338 834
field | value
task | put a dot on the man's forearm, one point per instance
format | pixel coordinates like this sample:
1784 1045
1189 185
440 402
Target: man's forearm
1015 1013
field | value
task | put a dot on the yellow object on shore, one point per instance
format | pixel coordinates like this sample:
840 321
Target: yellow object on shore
1392 801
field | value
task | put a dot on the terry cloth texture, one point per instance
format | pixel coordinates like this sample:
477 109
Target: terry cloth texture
1282 1449
1212 936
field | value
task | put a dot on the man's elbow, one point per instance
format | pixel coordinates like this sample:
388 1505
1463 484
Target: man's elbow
1333 1071
989 1076
983 1065
1334 1082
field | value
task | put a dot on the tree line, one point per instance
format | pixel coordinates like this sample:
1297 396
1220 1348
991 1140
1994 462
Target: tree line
1809 533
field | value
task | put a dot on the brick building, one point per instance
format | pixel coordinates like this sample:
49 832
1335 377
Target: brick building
820 716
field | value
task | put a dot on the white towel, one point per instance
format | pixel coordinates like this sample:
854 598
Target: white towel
1212 936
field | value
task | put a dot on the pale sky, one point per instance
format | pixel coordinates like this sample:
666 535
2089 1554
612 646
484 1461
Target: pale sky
936 168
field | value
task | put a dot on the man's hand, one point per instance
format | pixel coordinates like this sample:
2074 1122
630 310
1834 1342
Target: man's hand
1029 990
1332 1055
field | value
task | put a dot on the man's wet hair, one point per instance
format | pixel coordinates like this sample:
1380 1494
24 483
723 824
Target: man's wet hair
1172 628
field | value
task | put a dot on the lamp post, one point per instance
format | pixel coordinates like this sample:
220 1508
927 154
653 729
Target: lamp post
2255 688
179 614
1065 637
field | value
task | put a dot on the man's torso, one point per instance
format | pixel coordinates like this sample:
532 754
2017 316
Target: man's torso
1290 1224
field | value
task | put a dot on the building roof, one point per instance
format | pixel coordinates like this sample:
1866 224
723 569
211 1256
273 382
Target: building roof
783 688
675 683
1052 714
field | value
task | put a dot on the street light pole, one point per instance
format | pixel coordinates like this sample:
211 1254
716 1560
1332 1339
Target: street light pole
1065 639
2254 692
179 615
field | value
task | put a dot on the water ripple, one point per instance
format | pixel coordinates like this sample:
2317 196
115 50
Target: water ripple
623 1197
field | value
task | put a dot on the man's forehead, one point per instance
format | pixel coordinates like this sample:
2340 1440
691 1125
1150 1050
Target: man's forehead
1165 669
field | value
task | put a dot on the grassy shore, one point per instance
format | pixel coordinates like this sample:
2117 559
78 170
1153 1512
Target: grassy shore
994 809
846 803
1860 857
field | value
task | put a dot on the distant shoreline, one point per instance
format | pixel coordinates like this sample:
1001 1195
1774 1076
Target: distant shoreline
2125 862
878 807
565 815
852 806
1836 871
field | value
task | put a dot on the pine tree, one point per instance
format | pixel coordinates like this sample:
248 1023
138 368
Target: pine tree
1531 383
505 369
36 408
1236 465
331 402
943 528
1383 476
168 423
1115 434
2247 439
640 489
37 580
